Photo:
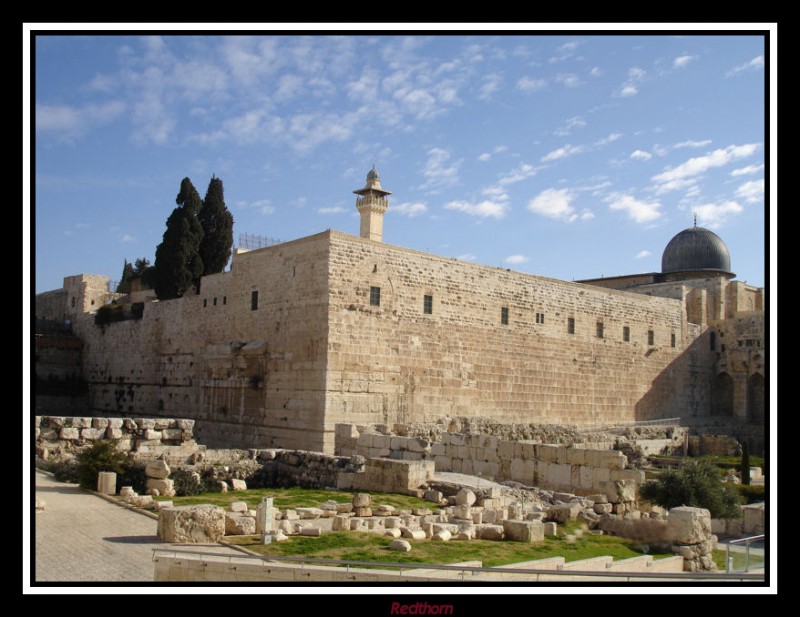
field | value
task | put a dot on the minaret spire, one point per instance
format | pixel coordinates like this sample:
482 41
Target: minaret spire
372 202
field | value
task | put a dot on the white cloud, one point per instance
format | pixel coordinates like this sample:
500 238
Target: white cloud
630 86
409 209
555 204
529 84
752 192
515 259
127 239
716 215
438 170
756 64
262 205
641 155
587 215
488 155
482 209
596 71
575 122
467 257
642 254
332 210
563 152
682 61
692 143
82 225
70 122
569 79
698 165
745 171
491 84
485 156
612 137
638 211
524 170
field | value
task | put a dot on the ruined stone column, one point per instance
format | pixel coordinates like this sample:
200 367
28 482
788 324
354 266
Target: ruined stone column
107 483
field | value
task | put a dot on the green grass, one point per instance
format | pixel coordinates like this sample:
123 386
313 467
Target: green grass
739 560
727 462
372 546
295 497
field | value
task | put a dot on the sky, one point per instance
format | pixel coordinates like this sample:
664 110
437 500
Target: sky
569 155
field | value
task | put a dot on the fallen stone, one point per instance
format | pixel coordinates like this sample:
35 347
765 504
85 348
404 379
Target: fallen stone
362 511
523 531
311 531
362 500
400 545
238 485
392 533
465 497
239 506
344 508
442 536
602 508
686 525
309 513
565 513
290 515
434 496
165 487
157 469
238 525
126 491
550 529
279 536
160 505
414 534
191 524
489 532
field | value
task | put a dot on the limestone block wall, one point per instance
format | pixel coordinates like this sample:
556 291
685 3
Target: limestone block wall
393 362
245 357
388 475
60 438
577 469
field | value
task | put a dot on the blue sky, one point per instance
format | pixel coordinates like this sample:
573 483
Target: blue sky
571 156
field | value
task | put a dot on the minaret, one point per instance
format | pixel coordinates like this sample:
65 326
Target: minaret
372 203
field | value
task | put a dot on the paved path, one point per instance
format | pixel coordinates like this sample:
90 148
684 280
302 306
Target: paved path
82 537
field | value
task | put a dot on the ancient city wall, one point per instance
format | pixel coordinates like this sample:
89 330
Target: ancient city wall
397 363
245 357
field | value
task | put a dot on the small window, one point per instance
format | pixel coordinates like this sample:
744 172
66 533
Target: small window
205 302
599 329
375 296
253 300
651 337
539 317
215 302
723 349
504 315
224 299
92 302
626 334
427 305
570 325
672 340
713 341
73 301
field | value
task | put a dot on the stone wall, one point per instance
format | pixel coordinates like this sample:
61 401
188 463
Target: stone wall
60 438
577 469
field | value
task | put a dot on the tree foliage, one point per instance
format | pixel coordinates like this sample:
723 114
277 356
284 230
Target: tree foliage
697 484
124 285
745 464
178 266
217 223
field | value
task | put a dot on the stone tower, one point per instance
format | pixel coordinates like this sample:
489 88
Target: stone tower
372 202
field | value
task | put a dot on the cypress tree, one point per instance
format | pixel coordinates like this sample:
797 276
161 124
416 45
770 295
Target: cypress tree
745 464
124 285
217 223
178 266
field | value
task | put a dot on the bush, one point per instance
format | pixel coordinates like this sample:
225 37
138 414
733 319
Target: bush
64 471
100 456
133 475
752 493
188 483
696 484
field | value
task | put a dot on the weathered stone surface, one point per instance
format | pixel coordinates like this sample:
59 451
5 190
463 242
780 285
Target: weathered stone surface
462 511
157 469
239 525
191 524
290 514
307 513
618 491
164 487
160 505
314 532
602 508
69 434
107 483
414 534
489 532
392 533
565 513
362 511
687 525
344 508
400 545
362 500
465 497
434 496
523 531
126 491
753 518
441 536
239 506
238 485
550 529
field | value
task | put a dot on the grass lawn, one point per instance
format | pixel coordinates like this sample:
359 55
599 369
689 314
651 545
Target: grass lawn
372 546
739 560
294 498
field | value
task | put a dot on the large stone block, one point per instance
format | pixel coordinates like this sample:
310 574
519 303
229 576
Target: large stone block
559 475
413 534
400 545
107 483
157 469
165 487
566 512
489 532
69 434
465 497
576 456
547 452
191 524
239 525
687 525
361 500
753 518
524 531
619 491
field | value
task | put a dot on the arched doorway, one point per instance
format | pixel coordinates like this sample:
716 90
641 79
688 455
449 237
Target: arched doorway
722 396
756 398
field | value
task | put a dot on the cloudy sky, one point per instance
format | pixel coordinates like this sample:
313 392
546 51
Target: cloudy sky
570 156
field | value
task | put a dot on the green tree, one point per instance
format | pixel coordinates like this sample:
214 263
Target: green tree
124 285
697 484
217 222
178 265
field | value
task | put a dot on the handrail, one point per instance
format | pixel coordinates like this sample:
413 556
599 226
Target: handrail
747 542
727 577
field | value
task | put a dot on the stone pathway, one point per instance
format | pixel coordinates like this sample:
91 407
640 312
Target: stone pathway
81 537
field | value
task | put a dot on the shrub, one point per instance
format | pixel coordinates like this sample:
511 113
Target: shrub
64 471
133 475
188 483
696 484
752 493
100 456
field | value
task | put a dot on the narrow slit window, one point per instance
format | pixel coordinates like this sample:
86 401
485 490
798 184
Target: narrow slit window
427 305
375 296
504 315
672 340
626 334
570 325
599 329
651 337
254 300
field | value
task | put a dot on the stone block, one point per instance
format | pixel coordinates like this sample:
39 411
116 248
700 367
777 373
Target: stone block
314 532
576 456
687 525
462 511
610 459
400 545
362 511
239 525
619 491
126 492
375 523
340 522
191 524
598 498
443 463
290 514
434 496
309 513
157 469
392 522
585 477
634 475
601 474
358 524
344 508
565 497
489 532
565 513
602 508
559 475
107 483
69 434
150 434
165 487
523 531
172 434
505 450
413 534
465 497
361 500
753 518
392 533
438 449
160 505
441 536
550 529
113 433
114 423
547 453
239 506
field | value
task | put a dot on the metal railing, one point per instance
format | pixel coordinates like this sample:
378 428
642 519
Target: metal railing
757 560
466 572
